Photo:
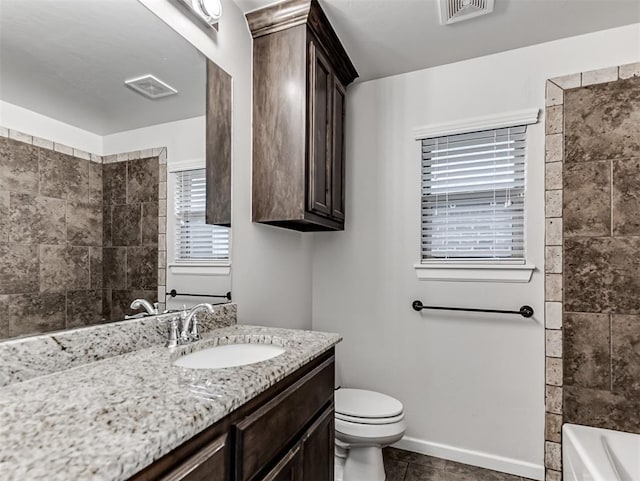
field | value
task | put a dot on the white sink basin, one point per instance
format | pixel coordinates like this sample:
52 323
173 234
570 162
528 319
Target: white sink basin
229 355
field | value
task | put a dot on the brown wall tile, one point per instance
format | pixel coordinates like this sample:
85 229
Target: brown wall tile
5 303
601 121
125 225
588 276
84 224
121 300
95 183
64 268
4 216
36 313
64 176
601 408
18 167
114 183
625 355
626 197
625 275
95 267
586 350
553 427
150 224
84 308
114 266
587 199
142 180
142 267
19 268
36 220
106 225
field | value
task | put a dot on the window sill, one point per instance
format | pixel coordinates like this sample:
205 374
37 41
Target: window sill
200 269
474 272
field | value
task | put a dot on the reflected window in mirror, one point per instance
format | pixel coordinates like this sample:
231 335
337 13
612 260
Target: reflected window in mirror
196 242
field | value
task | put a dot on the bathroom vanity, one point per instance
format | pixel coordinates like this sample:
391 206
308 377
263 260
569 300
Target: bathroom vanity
285 433
109 403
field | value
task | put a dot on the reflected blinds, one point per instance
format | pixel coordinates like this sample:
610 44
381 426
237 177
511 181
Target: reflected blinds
473 188
195 240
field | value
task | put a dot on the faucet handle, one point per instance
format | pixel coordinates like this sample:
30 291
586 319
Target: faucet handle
172 339
193 331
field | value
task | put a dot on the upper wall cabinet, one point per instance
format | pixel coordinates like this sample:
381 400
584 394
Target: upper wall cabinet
300 74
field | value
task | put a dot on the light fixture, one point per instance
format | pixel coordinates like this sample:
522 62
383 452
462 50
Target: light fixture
210 10
207 11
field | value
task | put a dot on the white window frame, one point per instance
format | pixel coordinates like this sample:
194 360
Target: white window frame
481 270
182 267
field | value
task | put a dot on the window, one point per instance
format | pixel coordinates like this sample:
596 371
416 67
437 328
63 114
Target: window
473 192
195 241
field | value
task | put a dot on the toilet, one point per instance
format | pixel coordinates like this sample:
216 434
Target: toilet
366 421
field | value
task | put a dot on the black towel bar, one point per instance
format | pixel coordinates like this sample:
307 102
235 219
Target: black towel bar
524 311
174 293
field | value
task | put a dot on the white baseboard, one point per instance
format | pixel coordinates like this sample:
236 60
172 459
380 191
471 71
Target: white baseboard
475 458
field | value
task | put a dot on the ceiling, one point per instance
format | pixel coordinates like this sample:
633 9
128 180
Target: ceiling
388 37
68 59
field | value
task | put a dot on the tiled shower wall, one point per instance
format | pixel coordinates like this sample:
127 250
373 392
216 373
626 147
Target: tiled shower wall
79 238
130 233
592 254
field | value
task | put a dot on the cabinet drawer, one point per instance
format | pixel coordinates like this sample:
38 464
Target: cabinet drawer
208 464
265 433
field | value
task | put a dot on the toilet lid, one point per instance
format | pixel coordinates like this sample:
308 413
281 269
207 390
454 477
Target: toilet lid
366 404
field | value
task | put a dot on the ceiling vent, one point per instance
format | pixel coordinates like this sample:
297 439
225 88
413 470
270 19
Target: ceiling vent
452 11
150 87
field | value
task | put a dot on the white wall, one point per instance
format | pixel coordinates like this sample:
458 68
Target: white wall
472 385
32 123
271 276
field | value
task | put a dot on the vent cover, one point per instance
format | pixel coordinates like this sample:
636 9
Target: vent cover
150 87
452 11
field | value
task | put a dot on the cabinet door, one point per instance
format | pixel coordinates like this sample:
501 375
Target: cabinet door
208 464
289 468
338 157
318 447
319 166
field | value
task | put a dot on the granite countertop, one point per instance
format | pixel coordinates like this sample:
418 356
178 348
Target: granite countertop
107 420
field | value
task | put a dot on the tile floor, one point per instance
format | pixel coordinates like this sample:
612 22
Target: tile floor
408 466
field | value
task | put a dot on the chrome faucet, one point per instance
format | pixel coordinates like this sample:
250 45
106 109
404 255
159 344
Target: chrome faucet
189 328
152 309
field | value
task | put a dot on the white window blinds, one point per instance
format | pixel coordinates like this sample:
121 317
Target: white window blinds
195 240
473 188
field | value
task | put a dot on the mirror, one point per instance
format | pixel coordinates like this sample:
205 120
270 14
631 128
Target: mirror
102 156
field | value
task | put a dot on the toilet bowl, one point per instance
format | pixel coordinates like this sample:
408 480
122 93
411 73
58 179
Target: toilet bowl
366 421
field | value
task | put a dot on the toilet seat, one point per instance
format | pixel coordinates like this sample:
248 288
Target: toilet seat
363 420
362 405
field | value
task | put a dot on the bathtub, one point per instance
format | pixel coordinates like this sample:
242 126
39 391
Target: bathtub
592 454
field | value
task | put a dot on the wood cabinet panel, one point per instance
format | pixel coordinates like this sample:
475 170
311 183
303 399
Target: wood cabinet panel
209 464
266 432
298 155
338 166
289 468
320 131
279 126
218 146
318 445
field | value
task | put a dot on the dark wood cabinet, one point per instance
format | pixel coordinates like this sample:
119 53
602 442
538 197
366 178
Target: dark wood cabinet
218 146
209 463
284 434
300 74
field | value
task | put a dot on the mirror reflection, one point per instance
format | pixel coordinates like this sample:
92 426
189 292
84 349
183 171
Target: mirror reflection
102 167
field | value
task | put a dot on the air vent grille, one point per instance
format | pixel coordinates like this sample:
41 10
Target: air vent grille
150 86
452 11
